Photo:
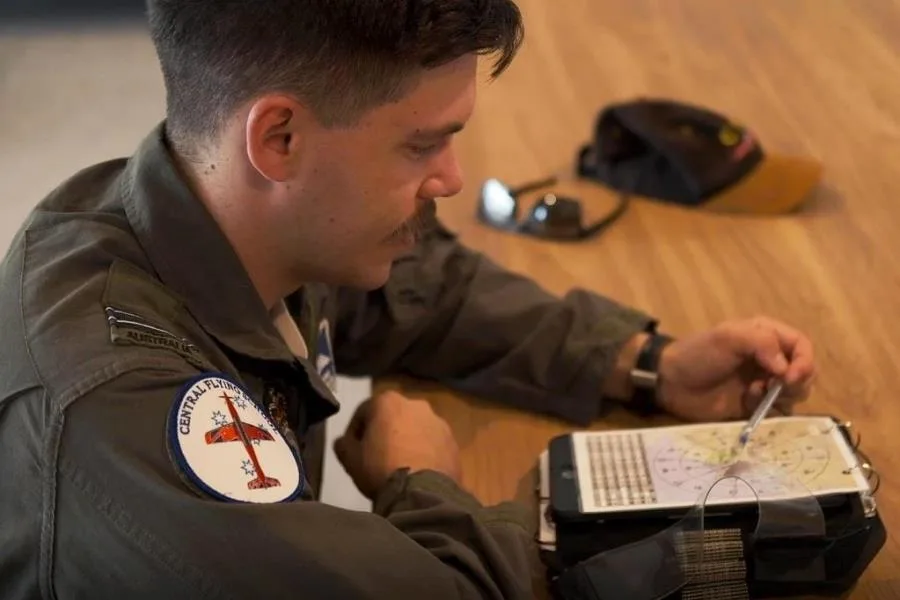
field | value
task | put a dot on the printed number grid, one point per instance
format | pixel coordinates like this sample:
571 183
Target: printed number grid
620 474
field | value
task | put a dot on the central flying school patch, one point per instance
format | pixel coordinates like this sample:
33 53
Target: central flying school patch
227 447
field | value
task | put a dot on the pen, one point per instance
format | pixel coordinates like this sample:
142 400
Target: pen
760 413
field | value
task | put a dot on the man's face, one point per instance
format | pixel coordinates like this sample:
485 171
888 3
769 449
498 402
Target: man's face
346 213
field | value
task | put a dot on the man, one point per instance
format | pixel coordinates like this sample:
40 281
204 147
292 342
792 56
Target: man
161 413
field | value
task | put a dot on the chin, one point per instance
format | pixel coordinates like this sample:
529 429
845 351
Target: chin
367 278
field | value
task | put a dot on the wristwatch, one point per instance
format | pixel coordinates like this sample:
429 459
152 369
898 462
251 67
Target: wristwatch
645 375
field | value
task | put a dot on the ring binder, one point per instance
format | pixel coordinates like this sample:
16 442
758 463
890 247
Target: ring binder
864 465
827 562
846 428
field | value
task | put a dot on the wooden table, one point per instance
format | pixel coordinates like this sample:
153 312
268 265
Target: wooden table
820 77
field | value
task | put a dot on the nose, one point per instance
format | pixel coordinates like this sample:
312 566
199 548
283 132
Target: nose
446 179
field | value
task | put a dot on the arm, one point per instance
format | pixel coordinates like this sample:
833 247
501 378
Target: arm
450 314
127 524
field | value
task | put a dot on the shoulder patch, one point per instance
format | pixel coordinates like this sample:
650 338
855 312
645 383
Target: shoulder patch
226 446
325 356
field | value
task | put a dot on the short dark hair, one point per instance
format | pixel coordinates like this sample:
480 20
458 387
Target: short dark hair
341 57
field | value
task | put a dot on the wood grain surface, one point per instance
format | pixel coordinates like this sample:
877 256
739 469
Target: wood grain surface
814 77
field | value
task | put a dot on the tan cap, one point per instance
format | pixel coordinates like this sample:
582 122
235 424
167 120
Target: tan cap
778 184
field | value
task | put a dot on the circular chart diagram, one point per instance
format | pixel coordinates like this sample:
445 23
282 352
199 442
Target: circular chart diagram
778 460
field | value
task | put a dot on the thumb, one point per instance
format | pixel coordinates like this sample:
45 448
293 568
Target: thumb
343 450
356 428
349 454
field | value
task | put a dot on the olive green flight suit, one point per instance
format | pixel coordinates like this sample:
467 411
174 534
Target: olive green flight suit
120 289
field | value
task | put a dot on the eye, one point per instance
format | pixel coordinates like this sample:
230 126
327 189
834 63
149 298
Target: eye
426 150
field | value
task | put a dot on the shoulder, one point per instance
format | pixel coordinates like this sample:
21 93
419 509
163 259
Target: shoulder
56 262
68 259
105 323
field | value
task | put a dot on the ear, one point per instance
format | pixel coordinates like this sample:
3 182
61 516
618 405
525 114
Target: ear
275 128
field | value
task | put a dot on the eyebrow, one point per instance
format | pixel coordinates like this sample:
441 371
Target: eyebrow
439 132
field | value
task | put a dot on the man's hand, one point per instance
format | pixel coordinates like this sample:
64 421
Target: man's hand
722 374
390 432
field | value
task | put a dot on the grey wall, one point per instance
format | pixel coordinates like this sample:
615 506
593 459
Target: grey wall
69 10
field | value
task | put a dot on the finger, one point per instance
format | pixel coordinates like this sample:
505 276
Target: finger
784 407
340 448
802 367
798 348
788 335
791 397
752 396
755 393
344 450
757 388
781 409
749 402
356 428
796 395
760 343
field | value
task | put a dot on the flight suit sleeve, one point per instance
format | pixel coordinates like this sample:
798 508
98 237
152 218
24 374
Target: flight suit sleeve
127 523
450 314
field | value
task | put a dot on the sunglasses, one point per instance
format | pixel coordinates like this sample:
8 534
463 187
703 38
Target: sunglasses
552 217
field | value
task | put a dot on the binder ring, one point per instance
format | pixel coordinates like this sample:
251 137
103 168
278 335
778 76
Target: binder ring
865 465
854 437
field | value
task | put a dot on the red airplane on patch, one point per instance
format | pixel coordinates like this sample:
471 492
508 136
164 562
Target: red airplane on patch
237 430
229 433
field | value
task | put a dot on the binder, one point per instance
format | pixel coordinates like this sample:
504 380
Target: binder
579 539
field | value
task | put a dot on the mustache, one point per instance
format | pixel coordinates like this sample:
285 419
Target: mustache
419 223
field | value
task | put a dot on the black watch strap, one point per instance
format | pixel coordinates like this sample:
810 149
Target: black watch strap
645 375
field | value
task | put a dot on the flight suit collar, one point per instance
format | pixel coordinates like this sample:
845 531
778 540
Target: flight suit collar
192 256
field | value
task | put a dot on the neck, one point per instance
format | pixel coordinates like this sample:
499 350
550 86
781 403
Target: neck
238 217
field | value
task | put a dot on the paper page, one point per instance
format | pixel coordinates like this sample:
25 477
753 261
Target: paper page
670 467
546 530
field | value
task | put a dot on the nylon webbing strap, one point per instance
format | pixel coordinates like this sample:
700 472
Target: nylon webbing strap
722 573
